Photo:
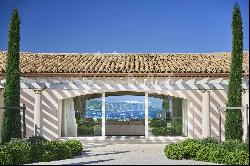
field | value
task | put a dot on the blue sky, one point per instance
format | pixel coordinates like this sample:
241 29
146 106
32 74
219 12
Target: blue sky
124 25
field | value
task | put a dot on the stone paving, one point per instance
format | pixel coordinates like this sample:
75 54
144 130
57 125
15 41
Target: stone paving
120 152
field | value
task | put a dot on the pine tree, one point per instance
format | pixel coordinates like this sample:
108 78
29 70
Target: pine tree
12 118
233 121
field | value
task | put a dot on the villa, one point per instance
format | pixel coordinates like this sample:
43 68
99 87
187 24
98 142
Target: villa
110 94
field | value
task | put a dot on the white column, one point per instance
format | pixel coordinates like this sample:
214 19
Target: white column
245 114
205 115
103 114
60 118
171 106
190 119
37 113
146 114
185 117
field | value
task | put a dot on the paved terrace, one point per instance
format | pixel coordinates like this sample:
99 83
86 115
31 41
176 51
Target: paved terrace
124 151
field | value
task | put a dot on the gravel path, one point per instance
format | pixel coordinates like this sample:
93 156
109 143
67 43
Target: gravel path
124 154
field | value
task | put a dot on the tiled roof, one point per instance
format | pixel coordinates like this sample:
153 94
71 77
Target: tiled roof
125 63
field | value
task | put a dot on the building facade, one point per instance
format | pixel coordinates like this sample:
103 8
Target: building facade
156 94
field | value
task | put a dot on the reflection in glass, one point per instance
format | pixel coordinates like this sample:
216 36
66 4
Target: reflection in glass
125 114
88 115
165 115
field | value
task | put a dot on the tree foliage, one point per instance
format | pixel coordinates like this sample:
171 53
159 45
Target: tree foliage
233 122
12 118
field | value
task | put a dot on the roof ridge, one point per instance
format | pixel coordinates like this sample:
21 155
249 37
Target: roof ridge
117 53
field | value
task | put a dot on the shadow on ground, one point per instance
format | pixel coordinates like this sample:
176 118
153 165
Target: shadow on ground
87 153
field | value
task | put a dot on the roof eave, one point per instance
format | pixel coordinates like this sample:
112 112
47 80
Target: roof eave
126 74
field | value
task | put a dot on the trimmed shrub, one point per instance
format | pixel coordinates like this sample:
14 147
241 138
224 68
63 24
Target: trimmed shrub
190 147
232 145
189 140
49 152
159 131
5 157
203 152
37 148
211 140
63 151
218 155
20 151
75 146
35 139
174 151
231 152
238 157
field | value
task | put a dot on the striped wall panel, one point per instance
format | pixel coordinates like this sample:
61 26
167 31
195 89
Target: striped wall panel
52 97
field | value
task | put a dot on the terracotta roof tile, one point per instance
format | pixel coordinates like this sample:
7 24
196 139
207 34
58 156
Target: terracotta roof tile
125 63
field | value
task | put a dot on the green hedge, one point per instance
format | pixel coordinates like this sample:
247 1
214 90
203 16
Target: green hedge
5 157
38 149
174 151
190 147
231 152
20 151
75 146
63 151
233 145
203 153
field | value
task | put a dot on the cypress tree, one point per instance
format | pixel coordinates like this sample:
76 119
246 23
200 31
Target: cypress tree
12 118
233 121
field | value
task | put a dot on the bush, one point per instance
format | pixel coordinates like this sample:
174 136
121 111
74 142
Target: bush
49 151
159 131
63 151
75 146
174 151
211 140
37 148
35 139
203 152
190 147
20 151
230 152
5 157
238 157
232 145
218 155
